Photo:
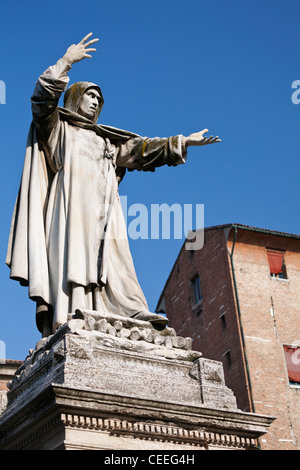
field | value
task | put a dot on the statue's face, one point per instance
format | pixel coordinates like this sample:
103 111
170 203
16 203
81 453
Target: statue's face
89 103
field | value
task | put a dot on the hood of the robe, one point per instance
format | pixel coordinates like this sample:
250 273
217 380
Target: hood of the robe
69 113
74 94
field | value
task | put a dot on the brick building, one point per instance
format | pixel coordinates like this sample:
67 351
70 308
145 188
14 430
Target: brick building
7 370
239 299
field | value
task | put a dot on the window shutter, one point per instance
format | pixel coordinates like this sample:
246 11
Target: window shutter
275 262
292 358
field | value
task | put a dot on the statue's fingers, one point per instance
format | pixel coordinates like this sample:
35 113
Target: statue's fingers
90 50
85 38
89 43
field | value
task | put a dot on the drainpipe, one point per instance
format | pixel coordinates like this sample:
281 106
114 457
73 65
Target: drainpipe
240 319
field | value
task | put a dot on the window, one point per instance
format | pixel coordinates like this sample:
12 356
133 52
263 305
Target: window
223 321
227 358
196 289
292 359
277 264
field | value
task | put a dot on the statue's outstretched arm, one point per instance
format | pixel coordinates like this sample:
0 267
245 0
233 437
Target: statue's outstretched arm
143 153
198 138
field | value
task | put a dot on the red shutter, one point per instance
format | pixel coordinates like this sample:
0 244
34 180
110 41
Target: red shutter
275 261
292 358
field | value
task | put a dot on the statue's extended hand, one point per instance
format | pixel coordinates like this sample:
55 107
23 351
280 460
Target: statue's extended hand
79 51
199 139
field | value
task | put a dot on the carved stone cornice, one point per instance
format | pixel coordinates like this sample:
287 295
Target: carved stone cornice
136 430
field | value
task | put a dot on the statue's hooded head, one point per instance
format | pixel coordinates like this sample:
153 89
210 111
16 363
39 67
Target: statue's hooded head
74 98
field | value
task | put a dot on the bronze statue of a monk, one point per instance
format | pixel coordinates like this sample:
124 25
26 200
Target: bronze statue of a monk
68 240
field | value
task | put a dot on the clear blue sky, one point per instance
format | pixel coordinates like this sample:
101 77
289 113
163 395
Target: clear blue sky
165 67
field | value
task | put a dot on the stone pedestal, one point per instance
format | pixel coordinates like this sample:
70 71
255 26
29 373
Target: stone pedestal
109 382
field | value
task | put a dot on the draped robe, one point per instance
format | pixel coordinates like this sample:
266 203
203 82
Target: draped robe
68 240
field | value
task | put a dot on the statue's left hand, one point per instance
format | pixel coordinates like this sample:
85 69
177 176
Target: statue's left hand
198 138
79 51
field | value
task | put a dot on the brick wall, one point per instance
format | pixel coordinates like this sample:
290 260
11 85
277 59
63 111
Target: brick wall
266 330
7 370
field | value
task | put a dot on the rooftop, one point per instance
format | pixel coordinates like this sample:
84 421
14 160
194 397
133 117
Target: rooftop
230 226
254 229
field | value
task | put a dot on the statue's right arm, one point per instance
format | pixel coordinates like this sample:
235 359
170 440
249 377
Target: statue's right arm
44 104
49 87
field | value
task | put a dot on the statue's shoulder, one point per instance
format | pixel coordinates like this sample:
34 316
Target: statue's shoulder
117 133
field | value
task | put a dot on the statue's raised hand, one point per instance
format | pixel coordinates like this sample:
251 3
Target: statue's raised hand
198 138
79 51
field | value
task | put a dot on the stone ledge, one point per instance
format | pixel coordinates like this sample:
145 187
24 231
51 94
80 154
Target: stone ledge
88 420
